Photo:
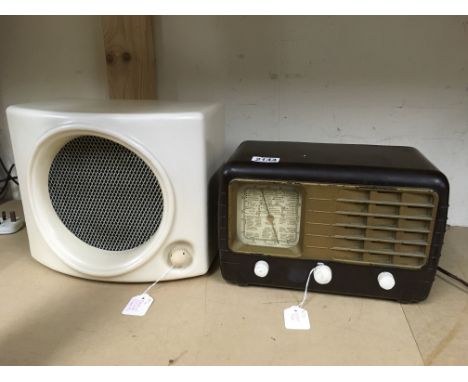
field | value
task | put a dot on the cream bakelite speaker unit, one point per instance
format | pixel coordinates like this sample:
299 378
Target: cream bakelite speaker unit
118 190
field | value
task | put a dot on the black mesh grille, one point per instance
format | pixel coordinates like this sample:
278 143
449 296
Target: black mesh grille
105 194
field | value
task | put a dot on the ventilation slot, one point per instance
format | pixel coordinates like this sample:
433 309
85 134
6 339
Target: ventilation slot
390 227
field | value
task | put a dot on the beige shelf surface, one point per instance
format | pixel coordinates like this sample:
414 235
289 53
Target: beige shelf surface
52 319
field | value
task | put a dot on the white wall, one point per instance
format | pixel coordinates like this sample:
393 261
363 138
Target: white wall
377 80
371 80
44 58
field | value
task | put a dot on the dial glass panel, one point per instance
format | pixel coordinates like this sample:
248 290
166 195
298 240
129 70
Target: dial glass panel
268 215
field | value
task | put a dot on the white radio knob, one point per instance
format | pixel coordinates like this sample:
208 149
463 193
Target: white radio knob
180 257
322 274
261 268
386 280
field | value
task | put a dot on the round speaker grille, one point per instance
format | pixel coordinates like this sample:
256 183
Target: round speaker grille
105 194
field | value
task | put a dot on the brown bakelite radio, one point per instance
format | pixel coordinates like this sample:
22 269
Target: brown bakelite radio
369 219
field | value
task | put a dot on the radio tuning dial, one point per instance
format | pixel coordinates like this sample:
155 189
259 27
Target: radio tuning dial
386 280
261 268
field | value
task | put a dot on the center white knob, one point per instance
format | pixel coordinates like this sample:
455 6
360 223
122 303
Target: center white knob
261 268
322 274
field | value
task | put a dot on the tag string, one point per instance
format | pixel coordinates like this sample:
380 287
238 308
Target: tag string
158 280
306 287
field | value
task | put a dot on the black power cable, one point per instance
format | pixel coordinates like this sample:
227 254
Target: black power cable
8 178
445 272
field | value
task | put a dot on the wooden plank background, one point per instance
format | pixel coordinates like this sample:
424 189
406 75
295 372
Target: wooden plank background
130 57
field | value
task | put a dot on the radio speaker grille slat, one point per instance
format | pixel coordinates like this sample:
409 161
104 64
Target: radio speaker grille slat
375 226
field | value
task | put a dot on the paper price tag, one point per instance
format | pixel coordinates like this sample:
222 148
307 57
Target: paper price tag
296 318
138 305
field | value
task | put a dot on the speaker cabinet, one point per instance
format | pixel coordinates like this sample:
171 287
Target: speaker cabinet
112 190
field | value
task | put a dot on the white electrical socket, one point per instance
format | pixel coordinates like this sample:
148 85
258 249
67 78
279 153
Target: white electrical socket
10 224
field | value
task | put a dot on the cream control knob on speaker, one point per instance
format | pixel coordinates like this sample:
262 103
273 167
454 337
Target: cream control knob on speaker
322 274
180 257
386 280
261 268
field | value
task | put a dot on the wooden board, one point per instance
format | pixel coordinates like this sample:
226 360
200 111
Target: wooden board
130 58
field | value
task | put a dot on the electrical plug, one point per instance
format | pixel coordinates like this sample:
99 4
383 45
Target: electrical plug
10 224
